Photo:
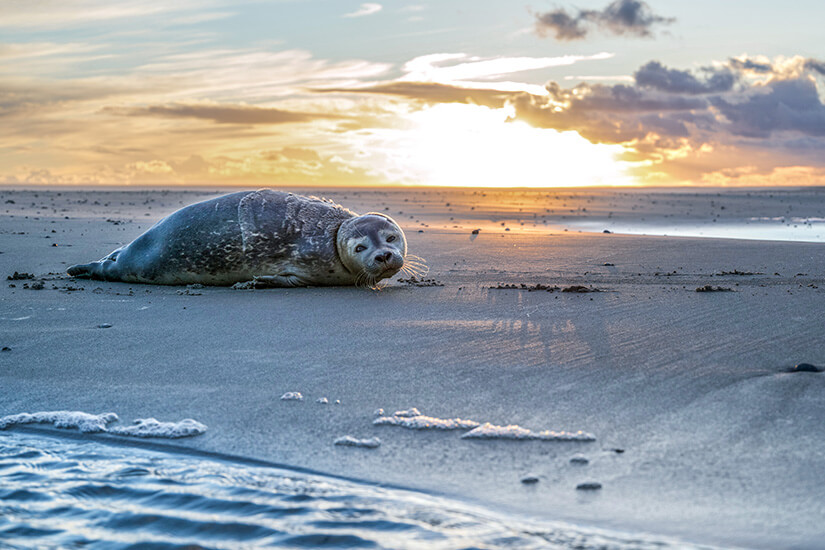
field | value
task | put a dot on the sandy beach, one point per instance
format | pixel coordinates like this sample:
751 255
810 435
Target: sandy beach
702 433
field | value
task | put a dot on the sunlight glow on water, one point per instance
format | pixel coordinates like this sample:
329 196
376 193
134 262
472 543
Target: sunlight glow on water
57 493
779 229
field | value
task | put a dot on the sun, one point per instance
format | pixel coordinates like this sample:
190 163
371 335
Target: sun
474 146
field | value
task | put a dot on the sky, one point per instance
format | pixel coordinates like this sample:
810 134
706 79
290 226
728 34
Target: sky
480 93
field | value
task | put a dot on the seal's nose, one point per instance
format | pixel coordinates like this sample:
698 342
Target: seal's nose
382 258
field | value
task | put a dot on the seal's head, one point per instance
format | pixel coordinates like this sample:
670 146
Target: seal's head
372 247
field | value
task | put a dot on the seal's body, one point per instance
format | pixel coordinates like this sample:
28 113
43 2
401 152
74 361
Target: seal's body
272 237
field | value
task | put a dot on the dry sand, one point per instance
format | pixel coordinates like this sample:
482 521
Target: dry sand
720 444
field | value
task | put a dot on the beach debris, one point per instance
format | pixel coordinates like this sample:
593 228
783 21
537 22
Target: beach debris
378 412
806 367
607 231
608 264
740 273
475 231
617 451
99 423
414 420
580 289
711 288
350 441
19 276
530 479
104 325
191 290
579 460
514 431
414 281
6 348
337 401
528 288
292 396
322 401
589 486
36 285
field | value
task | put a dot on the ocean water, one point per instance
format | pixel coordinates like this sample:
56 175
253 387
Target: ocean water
81 492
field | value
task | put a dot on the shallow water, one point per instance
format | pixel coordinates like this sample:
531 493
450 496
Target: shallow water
67 493
762 229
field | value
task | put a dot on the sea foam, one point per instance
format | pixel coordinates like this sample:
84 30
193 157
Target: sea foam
414 420
149 427
98 423
513 431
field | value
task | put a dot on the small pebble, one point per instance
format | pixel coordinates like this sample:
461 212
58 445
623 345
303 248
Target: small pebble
349 441
292 396
475 231
589 486
322 401
104 325
6 348
529 480
806 367
579 460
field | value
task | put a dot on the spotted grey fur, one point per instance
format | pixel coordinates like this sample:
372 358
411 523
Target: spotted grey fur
278 238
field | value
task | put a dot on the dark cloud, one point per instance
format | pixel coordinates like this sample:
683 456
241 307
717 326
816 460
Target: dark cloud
620 98
815 65
785 105
750 65
431 92
620 17
222 114
562 24
608 114
655 75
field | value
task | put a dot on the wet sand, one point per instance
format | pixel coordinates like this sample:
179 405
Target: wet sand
701 431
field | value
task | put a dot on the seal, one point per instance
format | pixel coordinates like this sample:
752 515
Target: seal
262 238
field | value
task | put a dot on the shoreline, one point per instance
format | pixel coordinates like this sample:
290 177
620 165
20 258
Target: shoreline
718 436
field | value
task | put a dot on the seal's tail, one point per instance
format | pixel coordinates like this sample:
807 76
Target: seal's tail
82 271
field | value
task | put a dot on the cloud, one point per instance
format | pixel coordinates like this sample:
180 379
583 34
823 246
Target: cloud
658 77
364 10
48 14
222 114
620 17
782 106
452 67
432 93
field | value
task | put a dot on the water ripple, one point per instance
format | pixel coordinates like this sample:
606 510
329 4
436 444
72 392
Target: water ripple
59 493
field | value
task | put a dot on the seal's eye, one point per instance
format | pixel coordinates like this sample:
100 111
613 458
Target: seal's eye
360 248
391 238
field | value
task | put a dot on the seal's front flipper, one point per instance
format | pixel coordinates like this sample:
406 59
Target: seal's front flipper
81 271
270 281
